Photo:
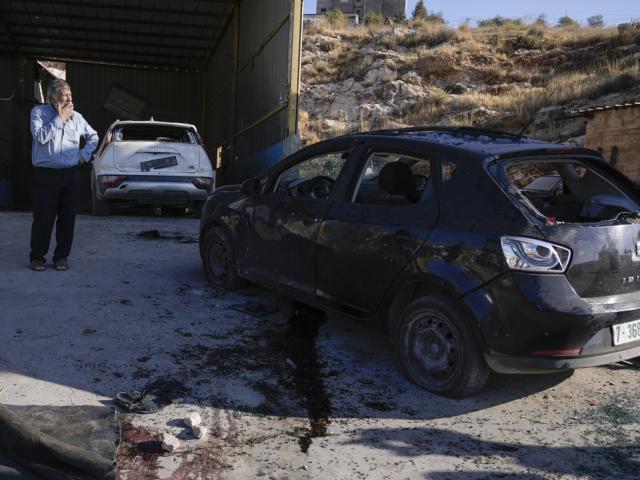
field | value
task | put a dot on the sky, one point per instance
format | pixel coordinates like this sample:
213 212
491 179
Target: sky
456 11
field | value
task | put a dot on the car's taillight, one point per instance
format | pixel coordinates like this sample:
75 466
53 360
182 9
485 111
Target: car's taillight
111 180
531 255
203 183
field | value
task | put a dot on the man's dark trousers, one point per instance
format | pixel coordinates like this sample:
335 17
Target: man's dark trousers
54 194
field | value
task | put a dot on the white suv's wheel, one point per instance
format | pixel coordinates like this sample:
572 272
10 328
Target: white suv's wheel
99 208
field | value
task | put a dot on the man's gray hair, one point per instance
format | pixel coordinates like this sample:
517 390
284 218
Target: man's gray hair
55 86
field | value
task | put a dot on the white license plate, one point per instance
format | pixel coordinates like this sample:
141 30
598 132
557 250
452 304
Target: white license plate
626 332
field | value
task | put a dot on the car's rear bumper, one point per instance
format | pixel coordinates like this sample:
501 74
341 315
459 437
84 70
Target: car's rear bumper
169 190
537 323
511 364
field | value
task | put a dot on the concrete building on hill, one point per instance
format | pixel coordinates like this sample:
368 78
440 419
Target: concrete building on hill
388 8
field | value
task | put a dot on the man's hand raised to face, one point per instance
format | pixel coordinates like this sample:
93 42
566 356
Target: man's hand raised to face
65 110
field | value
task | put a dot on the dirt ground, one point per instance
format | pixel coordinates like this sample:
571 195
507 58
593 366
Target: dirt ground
286 393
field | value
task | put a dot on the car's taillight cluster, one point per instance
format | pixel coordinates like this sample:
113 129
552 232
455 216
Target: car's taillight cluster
110 180
203 183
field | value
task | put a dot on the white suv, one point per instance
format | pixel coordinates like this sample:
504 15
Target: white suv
151 163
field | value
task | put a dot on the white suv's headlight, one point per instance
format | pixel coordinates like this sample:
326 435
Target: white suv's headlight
530 255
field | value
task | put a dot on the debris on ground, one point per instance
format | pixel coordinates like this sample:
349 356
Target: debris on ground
193 420
157 235
200 432
156 395
254 308
170 443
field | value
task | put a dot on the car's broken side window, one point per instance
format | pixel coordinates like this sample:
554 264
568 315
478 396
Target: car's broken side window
313 178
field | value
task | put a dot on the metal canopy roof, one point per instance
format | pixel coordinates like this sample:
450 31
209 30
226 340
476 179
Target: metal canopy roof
599 108
164 34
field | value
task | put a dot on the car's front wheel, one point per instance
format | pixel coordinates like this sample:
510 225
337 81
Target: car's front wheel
437 348
218 260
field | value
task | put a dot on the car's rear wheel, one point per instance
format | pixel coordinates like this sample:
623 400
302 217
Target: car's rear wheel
218 260
99 208
437 348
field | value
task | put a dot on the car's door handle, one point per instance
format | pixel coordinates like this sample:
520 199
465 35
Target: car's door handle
310 221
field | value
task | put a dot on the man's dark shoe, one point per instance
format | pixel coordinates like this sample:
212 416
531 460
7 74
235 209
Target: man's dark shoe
61 265
37 265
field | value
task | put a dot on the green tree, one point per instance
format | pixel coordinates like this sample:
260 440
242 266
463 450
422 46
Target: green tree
567 21
336 18
420 12
373 18
541 20
597 21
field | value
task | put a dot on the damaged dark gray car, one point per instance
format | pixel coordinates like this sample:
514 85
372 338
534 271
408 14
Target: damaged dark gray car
480 250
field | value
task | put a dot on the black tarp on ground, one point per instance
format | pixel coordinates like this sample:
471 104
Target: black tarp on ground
57 443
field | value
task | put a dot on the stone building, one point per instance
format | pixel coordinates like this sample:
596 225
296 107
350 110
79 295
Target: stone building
615 131
388 8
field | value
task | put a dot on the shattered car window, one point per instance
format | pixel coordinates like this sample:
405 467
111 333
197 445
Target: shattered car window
312 178
448 170
153 133
567 191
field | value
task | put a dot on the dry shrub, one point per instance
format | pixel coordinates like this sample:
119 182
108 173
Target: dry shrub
337 19
500 89
390 42
518 75
437 65
429 35
465 28
493 74
524 41
344 60
318 27
578 37
629 33
328 44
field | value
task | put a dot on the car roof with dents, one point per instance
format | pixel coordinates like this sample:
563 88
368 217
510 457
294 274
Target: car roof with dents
476 141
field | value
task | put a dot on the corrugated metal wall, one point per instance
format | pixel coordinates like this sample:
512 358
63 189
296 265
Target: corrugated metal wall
8 81
170 96
265 37
264 68
14 131
217 92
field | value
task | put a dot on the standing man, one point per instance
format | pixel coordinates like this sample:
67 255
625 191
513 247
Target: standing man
56 154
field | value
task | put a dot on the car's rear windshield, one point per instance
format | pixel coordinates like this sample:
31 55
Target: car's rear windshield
566 190
153 133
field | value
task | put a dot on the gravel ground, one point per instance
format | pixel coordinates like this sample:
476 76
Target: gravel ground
285 392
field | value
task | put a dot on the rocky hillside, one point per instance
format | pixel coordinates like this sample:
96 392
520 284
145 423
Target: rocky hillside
509 77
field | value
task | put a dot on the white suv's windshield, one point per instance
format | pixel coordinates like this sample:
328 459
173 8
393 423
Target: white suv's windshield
153 133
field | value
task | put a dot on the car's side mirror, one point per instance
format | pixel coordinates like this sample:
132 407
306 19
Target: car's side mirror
251 186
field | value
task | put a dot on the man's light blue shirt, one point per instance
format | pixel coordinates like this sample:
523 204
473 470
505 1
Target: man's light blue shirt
56 144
